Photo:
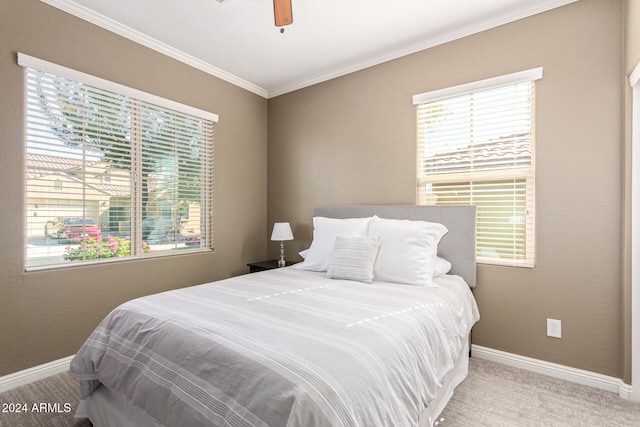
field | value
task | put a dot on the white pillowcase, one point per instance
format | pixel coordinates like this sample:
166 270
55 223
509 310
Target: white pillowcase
325 231
442 267
353 258
407 250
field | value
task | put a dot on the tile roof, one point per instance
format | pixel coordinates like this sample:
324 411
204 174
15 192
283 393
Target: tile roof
509 151
40 165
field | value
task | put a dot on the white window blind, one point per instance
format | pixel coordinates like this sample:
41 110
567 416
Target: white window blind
112 172
476 146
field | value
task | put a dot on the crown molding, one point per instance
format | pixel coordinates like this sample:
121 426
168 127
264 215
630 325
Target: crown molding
108 24
102 21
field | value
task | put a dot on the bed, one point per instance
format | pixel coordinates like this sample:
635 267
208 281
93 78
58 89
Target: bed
337 340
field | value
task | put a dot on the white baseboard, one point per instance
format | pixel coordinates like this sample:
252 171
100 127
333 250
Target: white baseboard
579 376
29 375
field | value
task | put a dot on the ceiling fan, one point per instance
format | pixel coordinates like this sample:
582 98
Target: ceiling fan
282 13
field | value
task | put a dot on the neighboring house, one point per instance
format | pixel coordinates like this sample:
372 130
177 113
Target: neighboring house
101 199
105 197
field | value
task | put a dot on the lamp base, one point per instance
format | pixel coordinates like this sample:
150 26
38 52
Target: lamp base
281 261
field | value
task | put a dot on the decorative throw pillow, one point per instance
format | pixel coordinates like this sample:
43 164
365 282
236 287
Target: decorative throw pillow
325 231
407 250
353 258
442 267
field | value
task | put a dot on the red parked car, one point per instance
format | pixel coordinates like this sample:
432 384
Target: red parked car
192 239
72 228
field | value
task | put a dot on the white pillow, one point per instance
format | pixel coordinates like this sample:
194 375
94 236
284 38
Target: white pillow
353 258
442 267
407 250
325 231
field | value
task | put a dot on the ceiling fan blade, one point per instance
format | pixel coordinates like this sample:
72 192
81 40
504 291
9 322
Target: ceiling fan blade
282 12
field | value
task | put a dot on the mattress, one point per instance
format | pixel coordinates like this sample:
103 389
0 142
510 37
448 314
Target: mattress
276 348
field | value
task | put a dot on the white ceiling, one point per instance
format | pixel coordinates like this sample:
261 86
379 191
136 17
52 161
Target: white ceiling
237 40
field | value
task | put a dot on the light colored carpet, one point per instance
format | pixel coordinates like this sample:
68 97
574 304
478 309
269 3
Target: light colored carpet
498 395
492 395
54 392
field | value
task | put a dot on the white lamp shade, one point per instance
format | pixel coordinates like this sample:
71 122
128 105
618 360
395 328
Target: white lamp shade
281 231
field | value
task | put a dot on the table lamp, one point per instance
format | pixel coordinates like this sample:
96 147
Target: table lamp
281 232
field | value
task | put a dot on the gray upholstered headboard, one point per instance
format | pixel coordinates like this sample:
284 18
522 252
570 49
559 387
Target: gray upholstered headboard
458 246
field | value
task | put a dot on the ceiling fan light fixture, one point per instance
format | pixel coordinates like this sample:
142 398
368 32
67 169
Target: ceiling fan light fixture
282 12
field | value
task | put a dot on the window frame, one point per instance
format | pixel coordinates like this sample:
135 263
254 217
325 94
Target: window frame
137 98
515 173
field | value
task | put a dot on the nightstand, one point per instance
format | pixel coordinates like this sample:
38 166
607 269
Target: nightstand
265 265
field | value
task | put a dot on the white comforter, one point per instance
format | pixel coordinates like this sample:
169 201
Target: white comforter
284 347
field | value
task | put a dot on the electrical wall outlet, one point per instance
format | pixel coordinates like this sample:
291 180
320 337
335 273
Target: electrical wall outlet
554 328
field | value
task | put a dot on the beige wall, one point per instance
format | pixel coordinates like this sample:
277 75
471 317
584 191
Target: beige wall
352 140
631 60
632 34
47 315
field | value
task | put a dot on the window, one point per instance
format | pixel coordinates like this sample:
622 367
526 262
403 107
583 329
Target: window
476 147
111 172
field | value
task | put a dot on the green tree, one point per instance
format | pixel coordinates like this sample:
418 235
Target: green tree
105 124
